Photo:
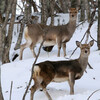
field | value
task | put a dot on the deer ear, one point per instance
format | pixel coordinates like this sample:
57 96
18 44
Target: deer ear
78 44
91 43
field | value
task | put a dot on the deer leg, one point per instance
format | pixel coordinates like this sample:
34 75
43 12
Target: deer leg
64 48
22 48
59 47
32 49
43 85
47 94
33 90
71 82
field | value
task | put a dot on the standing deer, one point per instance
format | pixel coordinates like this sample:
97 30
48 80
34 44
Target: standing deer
59 35
60 71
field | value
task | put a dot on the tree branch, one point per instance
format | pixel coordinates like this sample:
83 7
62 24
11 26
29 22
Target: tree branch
20 8
93 38
81 23
92 94
32 71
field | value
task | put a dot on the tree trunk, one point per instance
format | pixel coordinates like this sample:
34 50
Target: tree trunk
63 4
29 6
52 3
1 46
1 95
87 7
27 14
73 3
27 20
8 39
82 14
58 8
2 28
98 36
19 37
34 6
44 12
2 6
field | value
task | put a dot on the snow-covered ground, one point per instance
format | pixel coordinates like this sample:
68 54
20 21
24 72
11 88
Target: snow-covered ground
19 72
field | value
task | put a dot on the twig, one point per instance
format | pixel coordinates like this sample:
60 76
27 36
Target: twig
77 47
93 38
11 90
81 23
90 66
92 94
14 23
20 8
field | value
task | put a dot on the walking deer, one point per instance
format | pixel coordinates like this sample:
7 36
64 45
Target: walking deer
59 35
60 71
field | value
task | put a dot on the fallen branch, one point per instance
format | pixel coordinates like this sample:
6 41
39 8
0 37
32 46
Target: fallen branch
90 66
11 90
92 94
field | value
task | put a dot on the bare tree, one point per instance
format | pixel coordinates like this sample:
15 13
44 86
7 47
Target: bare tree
2 27
8 38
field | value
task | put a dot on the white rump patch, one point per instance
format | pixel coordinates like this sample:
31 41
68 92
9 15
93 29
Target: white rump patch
60 79
49 43
26 30
36 70
27 37
64 39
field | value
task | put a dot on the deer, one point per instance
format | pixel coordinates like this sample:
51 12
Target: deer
35 33
60 71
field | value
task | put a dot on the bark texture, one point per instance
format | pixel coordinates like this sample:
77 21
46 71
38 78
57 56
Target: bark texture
8 39
98 37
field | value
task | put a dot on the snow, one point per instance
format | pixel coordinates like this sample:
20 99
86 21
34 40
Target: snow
20 71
